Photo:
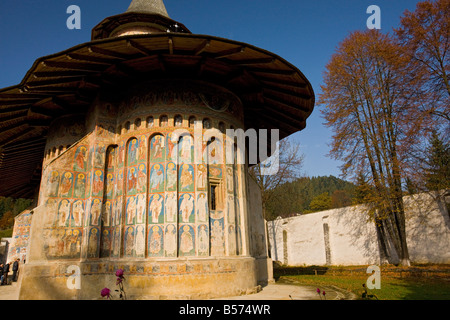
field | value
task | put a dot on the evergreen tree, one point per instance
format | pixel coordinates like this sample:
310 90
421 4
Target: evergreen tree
437 166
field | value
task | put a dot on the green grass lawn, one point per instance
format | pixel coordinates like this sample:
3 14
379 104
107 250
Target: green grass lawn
392 288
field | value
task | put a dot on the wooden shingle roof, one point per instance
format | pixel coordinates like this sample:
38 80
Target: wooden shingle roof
274 93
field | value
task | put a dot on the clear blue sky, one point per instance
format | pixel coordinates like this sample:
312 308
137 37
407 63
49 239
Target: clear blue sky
305 33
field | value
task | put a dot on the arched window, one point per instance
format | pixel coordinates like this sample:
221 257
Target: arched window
137 123
163 121
206 123
178 121
192 122
222 127
149 122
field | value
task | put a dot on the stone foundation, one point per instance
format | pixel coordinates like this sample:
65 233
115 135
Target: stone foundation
201 278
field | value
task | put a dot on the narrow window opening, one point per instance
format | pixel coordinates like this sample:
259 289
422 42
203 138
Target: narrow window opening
213 197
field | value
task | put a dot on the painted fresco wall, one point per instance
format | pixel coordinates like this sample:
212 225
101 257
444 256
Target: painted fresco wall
133 188
21 234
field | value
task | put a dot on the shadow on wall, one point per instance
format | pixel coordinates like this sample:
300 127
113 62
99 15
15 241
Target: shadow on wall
428 227
348 236
357 232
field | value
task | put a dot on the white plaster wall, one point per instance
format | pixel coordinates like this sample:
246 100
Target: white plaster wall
353 238
428 229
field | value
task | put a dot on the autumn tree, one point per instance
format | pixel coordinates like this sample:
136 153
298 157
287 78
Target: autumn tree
289 161
425 34
7 221
366 101
340 199
321 202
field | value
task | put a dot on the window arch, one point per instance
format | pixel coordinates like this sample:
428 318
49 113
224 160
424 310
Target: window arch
127 126
137 123
149 122
207 123
178 121
192 120
163 121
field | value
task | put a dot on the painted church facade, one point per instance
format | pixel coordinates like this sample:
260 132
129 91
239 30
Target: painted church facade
132 144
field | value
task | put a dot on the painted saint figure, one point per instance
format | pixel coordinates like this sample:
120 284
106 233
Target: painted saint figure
155 241
203 240
186 207
171 206
78 211
64 213
131 209
171 182
96 209
170 241
186 240
186 178
157 178
202 207
66 184
156 207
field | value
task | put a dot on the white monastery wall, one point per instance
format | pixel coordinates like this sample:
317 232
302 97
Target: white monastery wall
346 236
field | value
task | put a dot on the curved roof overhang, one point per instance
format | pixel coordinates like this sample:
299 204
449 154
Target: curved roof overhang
274 93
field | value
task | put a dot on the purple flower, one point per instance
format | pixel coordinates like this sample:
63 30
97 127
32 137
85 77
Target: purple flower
106 292
119 273
318 290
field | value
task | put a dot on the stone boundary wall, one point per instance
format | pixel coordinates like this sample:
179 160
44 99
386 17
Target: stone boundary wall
347 236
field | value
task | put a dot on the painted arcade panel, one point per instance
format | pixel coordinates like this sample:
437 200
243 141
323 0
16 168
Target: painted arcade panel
20 237
146 197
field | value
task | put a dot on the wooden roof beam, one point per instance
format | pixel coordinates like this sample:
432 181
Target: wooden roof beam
288 92
11 153
228 53
77 66
53 81
248 62
139 48
127 70
25 143
284 82
13 161
39 123
15 116
16 102
82 57
109 53
35 110
61 74
202 47
276 100
12 126
170 41
16 137
271 71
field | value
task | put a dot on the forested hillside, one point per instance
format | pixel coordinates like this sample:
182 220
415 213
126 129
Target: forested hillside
9 208
310 194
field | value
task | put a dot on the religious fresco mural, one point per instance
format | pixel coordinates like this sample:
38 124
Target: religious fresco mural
17 248
143 196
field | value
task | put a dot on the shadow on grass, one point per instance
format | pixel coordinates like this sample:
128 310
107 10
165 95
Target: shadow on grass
417 289
415 286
